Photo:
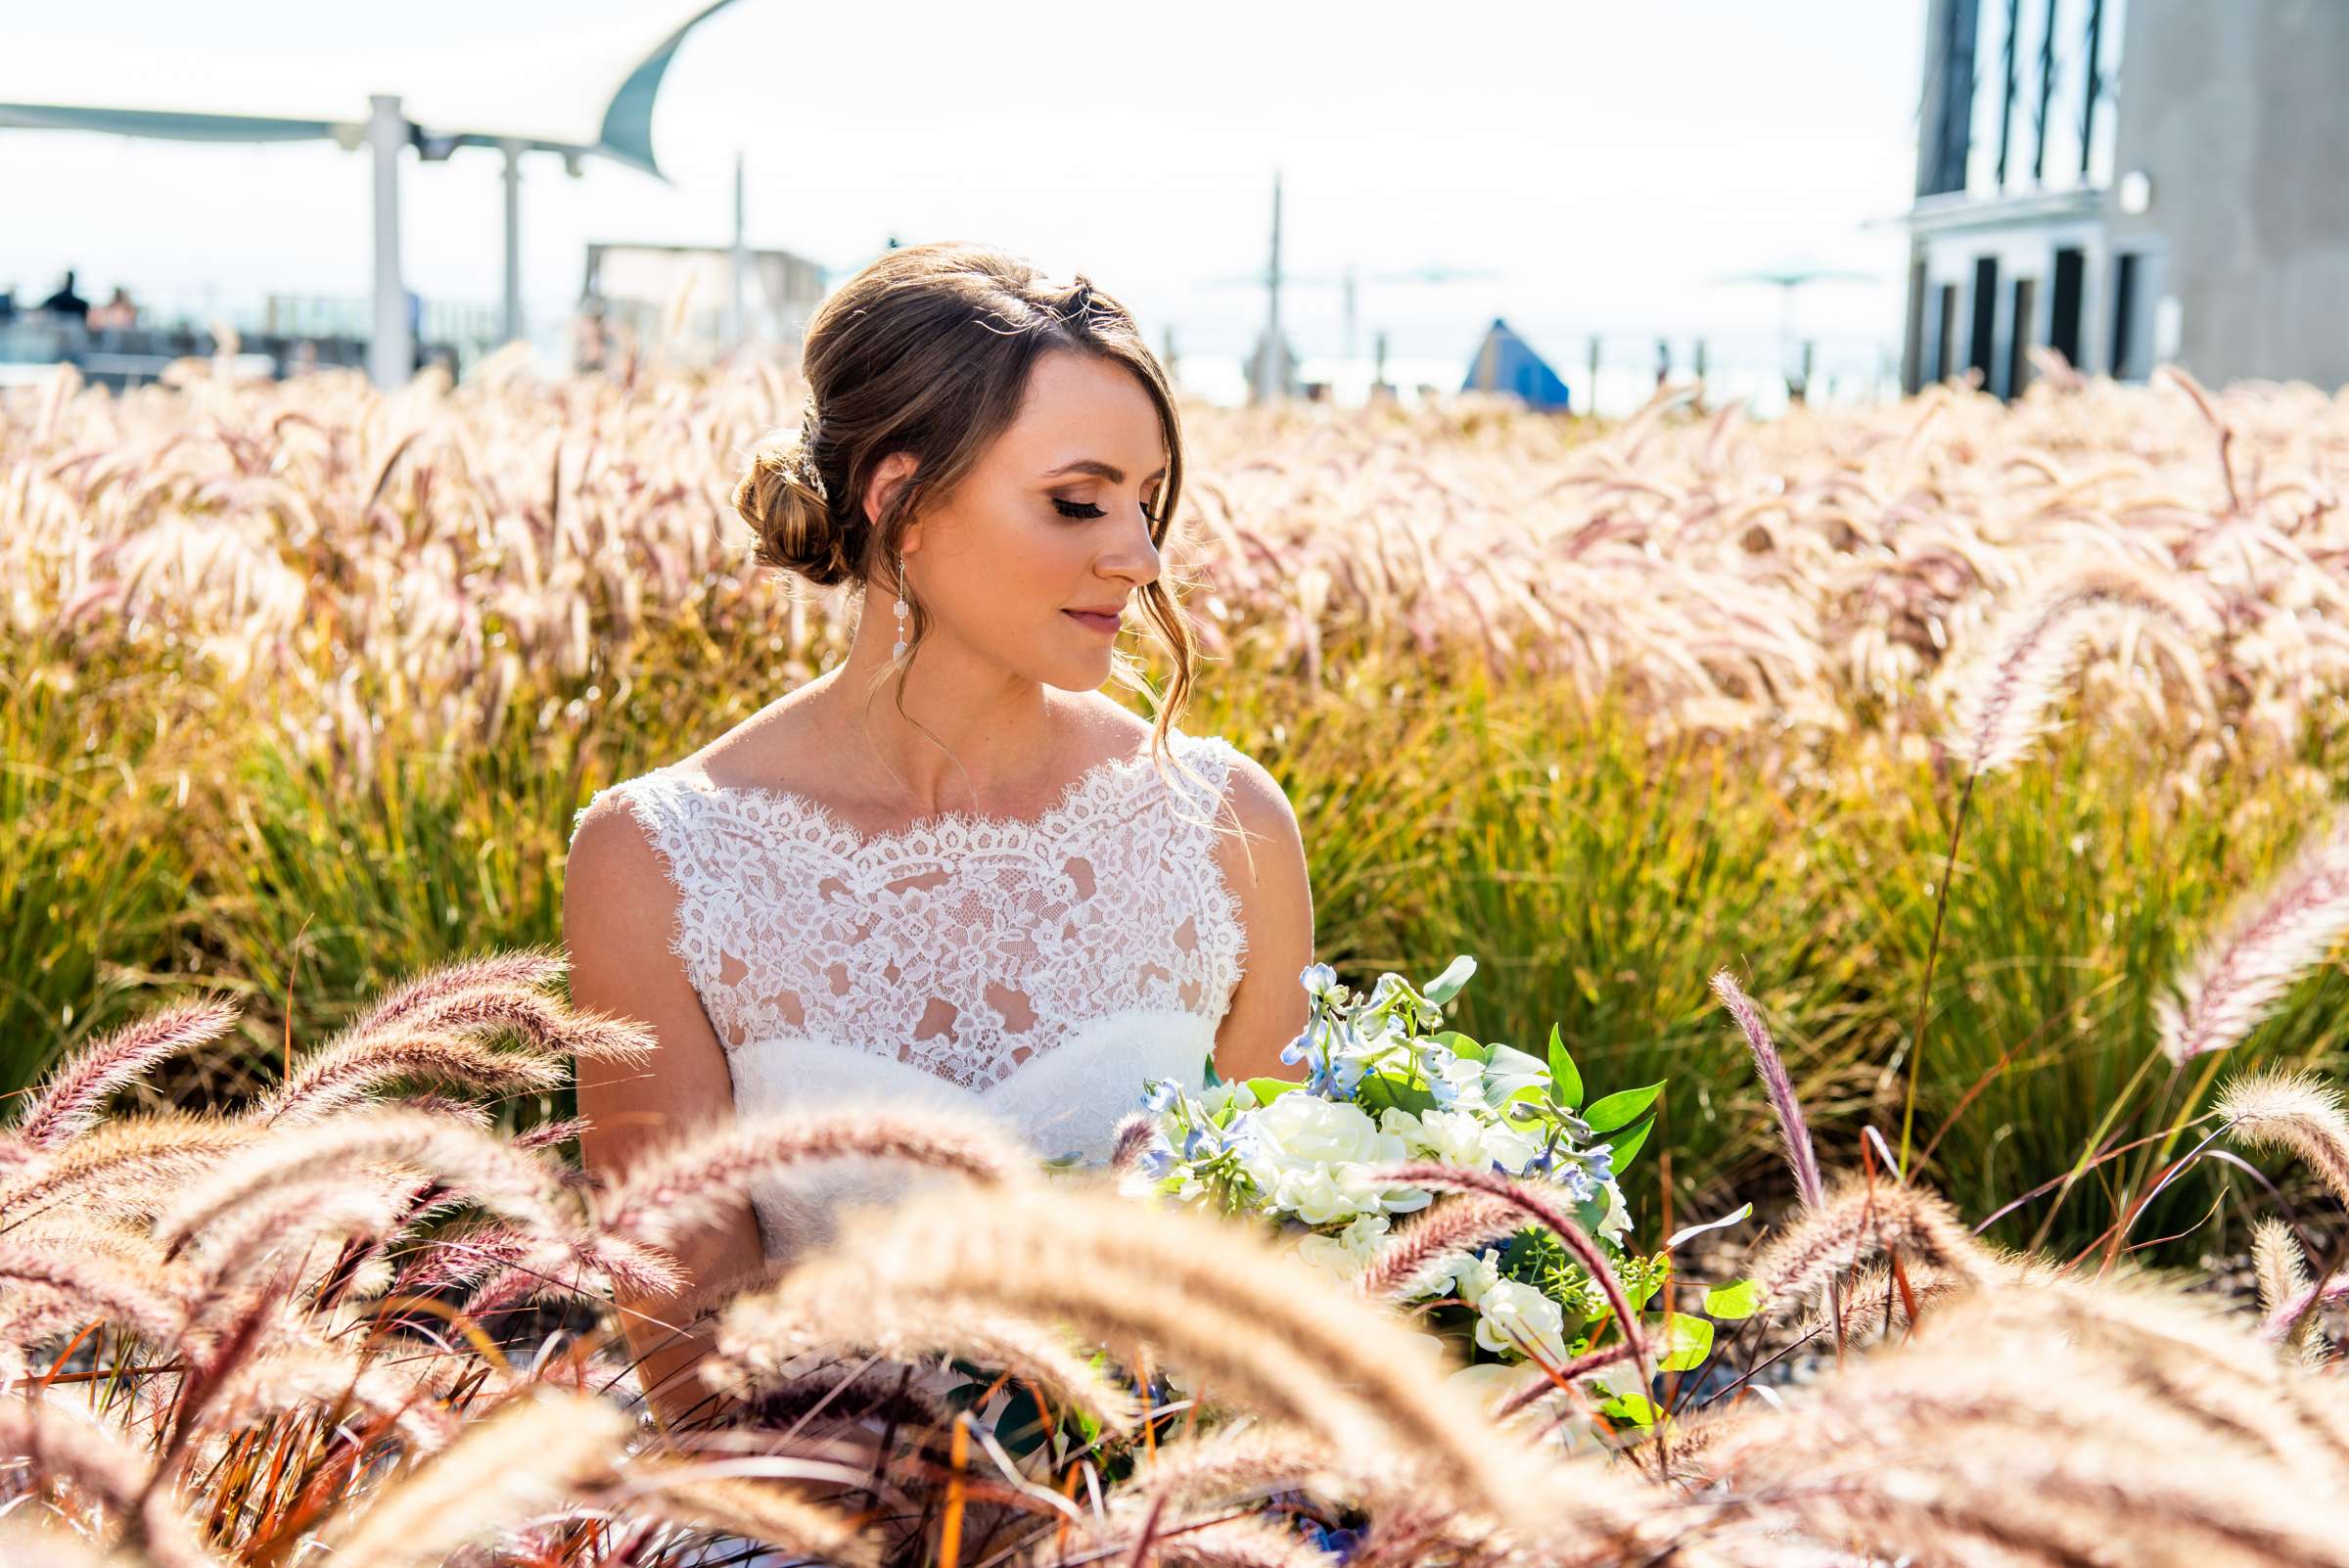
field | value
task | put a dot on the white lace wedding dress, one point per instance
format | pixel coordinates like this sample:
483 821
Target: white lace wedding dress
1038 972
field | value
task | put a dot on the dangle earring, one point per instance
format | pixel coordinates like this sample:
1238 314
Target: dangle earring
898 652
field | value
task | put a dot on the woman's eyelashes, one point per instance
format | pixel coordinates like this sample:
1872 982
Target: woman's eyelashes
1086 511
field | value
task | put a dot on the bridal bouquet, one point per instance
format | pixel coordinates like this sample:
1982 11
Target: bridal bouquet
1386 1084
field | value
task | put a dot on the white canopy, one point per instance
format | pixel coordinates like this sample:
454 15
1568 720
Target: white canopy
577 78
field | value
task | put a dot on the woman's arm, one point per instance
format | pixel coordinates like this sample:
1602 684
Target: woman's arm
1266 871
619 910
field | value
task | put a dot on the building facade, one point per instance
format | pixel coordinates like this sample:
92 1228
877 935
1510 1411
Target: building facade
2130 182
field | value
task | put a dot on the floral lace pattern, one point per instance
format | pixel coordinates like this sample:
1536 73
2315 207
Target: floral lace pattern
964 945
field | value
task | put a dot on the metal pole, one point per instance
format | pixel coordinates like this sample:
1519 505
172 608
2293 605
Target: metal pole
737 322
514 331
1269 379
390 351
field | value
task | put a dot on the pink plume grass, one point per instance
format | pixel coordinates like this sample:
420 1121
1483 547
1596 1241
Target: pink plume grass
2006 698
2263 947
73 1095
674 1188
1801 1157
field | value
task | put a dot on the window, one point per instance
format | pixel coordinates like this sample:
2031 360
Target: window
1986 317
2029 44
2018 338
2063 304
1945 337
2125 309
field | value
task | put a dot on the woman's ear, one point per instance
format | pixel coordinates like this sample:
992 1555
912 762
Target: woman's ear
889 474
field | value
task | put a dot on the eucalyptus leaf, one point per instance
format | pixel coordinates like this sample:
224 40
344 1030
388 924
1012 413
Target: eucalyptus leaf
1564 1077
1461 1045
1727 1219
1446 985
1689 1340
1734 1301
1268 1089
1622 1107
1633 1408
1626 1145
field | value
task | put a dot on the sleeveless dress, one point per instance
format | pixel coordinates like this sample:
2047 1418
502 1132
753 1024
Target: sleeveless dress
1035 971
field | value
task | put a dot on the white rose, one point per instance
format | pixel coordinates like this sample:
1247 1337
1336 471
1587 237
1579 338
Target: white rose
1300 1129
1473 1276
1512 1314
1322 1194
1347 1253
1462 1137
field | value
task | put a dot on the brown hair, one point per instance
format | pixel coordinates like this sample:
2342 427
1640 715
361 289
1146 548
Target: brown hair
928 351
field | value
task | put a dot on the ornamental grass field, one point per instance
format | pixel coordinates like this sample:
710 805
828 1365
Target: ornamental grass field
1987 753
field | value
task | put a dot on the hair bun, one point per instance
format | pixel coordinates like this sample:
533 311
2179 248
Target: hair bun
784 501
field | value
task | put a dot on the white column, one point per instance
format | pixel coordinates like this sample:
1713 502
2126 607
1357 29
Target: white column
391 354
738 270
514 330
1270 380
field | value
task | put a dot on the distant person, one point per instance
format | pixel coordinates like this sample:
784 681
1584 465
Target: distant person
119 311
66 303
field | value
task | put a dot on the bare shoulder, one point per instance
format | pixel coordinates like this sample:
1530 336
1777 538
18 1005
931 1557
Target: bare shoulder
1264 865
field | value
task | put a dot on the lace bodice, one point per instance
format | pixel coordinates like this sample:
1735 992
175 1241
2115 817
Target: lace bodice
1036 970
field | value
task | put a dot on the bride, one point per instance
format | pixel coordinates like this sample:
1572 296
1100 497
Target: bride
950 870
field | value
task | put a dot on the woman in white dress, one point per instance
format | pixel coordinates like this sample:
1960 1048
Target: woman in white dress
950 870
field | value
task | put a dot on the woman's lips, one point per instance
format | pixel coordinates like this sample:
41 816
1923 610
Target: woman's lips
1099 622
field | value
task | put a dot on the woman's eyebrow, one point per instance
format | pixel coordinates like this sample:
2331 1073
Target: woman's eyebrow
1096 467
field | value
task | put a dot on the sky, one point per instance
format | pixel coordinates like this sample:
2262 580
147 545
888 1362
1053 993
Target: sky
1607 164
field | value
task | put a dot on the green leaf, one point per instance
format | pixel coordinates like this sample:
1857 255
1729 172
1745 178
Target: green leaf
1446 985
1624 1147
1268 1089
1462 1046
1737 1216
1621 1108
1377 1091
1737 1300
1689 1340
1631 1408
1212 1078
1563 1076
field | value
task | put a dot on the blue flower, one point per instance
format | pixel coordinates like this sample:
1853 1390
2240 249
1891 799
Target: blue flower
1164 1092
1601 1162
1317 979
1157 1160
1578 1182
1294 1051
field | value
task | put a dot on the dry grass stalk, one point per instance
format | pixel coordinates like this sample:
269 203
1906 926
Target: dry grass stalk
2006 699
72 1097
756 1340
755 1511
484 1167
59 1445
1453 1224
1261 1326
531 1453
672 1189
1860 1220
2264 947
2276 1108
1793 1130
2281 1271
